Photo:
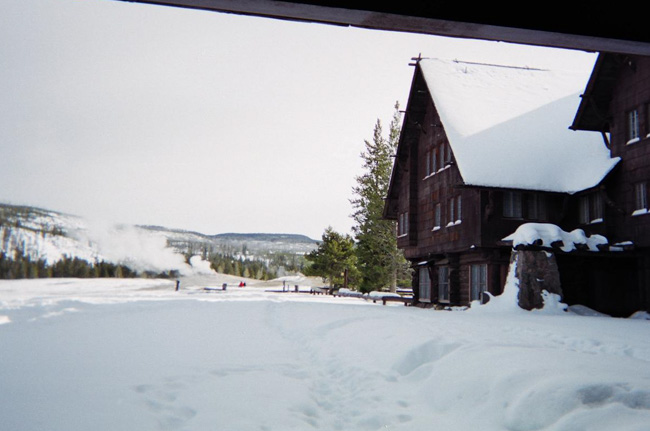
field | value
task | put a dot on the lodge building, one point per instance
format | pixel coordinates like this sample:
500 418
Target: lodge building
485 148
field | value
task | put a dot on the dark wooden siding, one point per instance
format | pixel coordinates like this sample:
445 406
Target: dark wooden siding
496 226
432 186
631 92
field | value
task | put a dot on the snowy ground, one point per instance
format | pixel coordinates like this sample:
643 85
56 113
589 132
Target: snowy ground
136 355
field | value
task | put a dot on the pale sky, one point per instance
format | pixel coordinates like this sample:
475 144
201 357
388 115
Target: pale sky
199 120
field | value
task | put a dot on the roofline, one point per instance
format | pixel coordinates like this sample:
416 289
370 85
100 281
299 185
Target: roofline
557 192
606 30
578 121
400 145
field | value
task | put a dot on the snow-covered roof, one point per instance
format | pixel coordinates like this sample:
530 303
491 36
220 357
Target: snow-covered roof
508 126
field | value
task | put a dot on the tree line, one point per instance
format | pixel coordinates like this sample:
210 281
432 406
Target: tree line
229 264
269 267
265 267
21 266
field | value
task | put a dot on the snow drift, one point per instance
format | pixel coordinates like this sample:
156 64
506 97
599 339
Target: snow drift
82 355
547 234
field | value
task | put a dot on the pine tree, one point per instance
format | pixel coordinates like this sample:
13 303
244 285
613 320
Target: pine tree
380 262
334 256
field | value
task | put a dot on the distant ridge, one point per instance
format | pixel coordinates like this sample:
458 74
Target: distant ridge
292 237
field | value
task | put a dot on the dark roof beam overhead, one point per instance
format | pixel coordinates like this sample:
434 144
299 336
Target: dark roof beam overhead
596 26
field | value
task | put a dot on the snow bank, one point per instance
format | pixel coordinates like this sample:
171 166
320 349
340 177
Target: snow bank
507 302
545 235
641 315
375 295
349 292
246 359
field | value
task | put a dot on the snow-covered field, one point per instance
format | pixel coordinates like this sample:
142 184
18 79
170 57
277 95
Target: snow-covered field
137 355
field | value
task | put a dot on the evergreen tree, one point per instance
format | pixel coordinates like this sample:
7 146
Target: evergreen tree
334 255
380 262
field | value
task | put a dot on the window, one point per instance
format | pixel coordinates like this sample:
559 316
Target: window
535 206
477 281
596 208
403 224
640 198
512 204
632 126
443 284
452 208
424 286
437 218
590 208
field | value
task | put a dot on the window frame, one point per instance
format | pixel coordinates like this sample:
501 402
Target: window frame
633 132
640 198
424 284
451 207
512 204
